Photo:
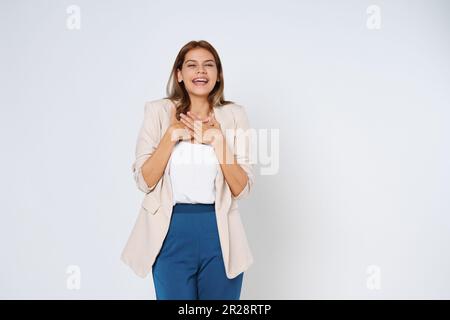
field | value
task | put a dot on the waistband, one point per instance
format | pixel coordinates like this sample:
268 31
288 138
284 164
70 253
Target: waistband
193 207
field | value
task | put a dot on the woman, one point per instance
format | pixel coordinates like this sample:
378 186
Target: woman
189 230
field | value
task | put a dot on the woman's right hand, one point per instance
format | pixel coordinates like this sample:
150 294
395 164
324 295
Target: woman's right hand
177 129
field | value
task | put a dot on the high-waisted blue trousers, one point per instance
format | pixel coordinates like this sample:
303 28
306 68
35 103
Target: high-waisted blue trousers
189 265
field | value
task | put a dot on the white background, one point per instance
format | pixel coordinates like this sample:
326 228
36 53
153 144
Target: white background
363 116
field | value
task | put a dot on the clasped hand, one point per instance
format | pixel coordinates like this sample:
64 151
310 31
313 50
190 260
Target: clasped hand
205 131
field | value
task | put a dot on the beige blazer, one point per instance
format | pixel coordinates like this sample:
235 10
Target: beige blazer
152 223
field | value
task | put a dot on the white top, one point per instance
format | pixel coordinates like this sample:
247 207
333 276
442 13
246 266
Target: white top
193 170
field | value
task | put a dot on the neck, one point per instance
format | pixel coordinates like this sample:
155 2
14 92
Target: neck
200 107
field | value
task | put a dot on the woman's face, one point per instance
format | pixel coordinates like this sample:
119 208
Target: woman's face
198 72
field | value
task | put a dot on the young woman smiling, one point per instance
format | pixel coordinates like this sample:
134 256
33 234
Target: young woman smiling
189 231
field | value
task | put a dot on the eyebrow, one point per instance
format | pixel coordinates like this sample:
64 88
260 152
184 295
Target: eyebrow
196 60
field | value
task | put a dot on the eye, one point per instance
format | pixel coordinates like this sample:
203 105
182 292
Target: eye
210 65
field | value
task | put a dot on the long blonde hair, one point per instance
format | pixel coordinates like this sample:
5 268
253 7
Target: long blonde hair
176 91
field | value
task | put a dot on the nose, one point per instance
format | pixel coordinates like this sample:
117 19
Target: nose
200 69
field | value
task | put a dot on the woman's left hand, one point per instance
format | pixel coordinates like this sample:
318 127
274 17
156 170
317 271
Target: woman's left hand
207 131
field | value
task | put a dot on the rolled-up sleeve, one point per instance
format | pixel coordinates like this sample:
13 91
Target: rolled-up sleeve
243 149
146 144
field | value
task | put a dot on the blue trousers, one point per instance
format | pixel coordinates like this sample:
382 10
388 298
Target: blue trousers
189 265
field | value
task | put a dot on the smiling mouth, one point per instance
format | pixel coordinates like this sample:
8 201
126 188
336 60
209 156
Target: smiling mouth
200 82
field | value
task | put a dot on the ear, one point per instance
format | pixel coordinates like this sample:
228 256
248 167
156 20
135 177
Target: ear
179 75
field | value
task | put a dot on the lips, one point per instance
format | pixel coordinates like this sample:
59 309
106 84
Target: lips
200 81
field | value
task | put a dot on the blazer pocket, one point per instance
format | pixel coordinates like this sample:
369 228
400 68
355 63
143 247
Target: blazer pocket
150 203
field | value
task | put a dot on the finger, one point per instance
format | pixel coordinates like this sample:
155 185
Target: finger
187 123
196 124
197 138
187 118
196 117
189 129
193 115
198 128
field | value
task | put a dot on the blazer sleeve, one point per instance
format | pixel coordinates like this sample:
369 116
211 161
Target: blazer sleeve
243 149
147 142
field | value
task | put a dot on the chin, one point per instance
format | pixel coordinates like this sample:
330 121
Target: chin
201 90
